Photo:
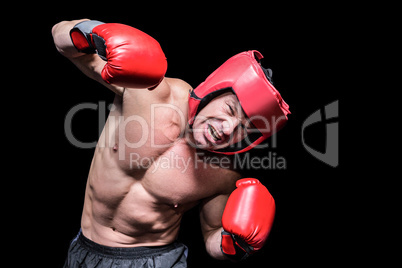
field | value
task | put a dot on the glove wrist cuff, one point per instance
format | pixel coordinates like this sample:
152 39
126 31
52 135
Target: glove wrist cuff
234 247
81 36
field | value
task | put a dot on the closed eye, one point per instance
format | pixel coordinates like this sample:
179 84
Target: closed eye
232 111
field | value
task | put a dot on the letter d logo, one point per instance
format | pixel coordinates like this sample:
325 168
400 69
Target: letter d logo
331 155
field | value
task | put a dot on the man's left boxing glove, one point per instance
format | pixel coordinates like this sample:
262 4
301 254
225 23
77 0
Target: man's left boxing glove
247 219
134 59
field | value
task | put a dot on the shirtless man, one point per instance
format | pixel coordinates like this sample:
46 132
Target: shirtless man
147 168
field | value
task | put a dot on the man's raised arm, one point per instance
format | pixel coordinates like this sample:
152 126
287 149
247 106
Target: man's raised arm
62 40
126 57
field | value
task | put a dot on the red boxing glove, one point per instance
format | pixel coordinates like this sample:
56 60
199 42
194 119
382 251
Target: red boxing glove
247 219
134 59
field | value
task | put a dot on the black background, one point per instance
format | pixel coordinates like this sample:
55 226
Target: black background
302 44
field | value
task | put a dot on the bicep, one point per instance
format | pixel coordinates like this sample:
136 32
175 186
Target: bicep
91 65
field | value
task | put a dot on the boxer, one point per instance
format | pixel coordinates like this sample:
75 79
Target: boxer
133 206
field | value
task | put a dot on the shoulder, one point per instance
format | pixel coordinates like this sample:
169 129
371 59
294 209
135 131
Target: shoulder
230 177
160 94
165 90
178 83
220 171
178 87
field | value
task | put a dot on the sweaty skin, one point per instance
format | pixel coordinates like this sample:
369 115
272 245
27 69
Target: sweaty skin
146 171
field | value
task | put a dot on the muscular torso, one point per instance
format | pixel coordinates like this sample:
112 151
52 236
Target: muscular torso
144 175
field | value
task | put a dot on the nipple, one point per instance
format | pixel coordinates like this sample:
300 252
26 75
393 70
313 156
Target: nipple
115 147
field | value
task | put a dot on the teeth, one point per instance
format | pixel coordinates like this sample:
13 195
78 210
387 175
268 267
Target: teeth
216 135
213 133
209 131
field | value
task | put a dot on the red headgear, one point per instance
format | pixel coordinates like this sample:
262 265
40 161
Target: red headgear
261 102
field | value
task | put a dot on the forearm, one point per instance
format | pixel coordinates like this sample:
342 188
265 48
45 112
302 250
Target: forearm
90 64
213 244
62 40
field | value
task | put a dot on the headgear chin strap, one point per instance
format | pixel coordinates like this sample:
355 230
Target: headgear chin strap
261 102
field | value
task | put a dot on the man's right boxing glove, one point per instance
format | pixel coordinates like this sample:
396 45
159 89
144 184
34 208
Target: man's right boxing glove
134 59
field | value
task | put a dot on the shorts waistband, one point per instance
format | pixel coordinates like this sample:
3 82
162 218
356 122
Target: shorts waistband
129 252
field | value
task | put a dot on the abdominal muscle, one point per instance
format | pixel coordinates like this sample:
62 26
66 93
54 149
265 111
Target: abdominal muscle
120 212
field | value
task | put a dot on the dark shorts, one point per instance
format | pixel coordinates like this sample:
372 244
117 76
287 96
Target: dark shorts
85 253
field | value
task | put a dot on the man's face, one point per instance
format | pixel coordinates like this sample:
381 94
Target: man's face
220 123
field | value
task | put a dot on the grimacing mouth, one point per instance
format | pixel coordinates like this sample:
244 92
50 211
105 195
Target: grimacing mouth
213 133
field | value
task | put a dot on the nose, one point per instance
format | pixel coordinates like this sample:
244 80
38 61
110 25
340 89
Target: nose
229 125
